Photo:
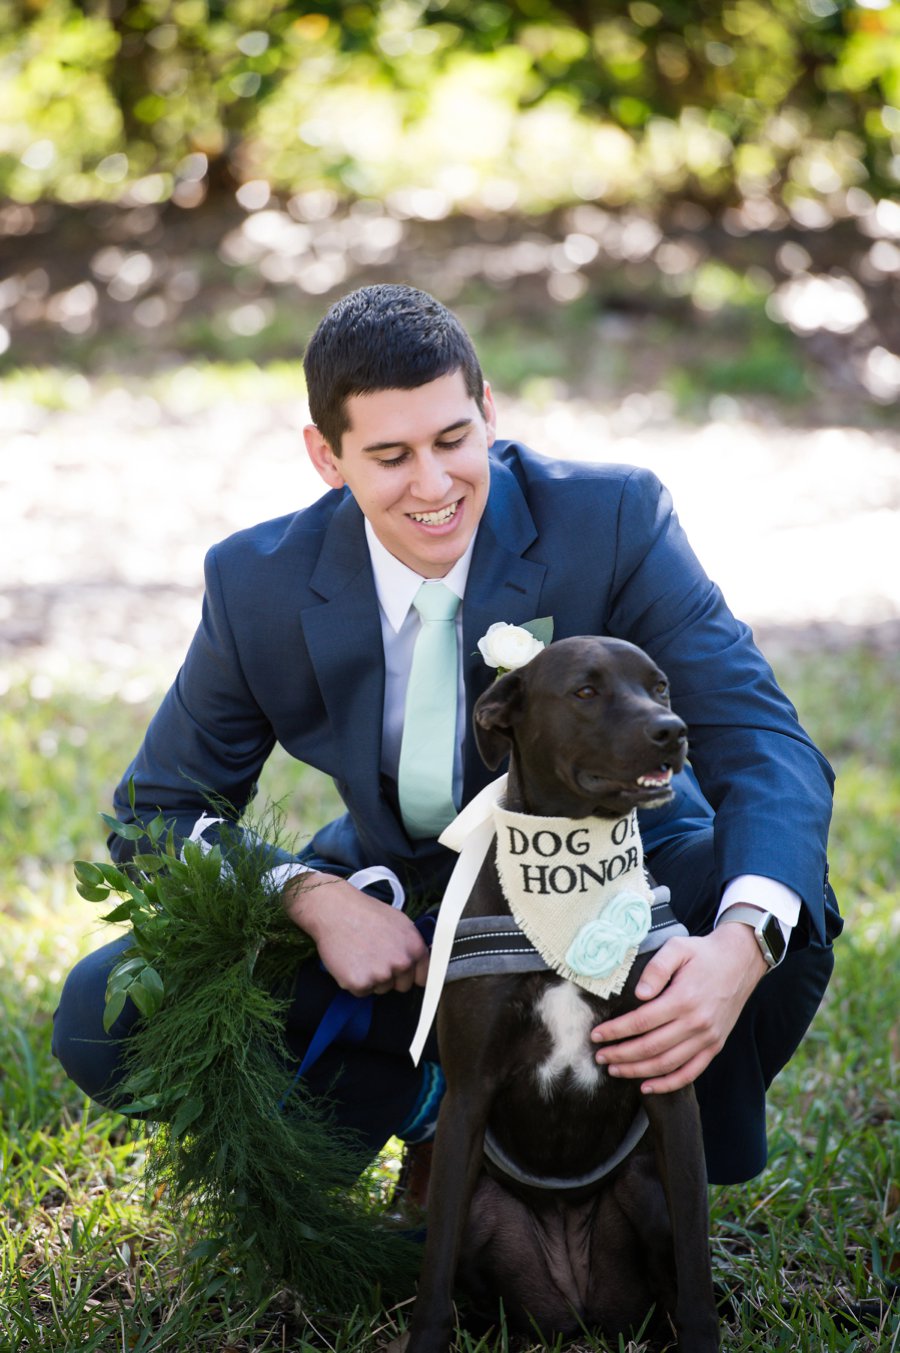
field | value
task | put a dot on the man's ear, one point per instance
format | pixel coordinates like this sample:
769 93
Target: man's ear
496 714
490 415
326 464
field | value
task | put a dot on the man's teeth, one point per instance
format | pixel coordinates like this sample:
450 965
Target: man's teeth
435 518
655 778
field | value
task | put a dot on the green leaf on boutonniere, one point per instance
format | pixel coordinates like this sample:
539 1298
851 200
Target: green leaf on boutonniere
542 629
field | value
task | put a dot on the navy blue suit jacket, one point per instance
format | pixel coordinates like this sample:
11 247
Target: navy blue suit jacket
289 650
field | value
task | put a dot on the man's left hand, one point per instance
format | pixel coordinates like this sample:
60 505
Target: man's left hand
695 989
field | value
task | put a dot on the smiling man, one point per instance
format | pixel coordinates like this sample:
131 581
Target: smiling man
348 633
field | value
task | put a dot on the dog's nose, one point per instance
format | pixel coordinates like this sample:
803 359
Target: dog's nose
666 729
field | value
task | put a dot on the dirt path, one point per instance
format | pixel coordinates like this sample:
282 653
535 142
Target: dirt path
106 510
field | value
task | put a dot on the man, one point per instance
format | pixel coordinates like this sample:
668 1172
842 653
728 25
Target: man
308 637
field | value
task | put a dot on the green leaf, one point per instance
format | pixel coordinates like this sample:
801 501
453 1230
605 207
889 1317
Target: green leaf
125 970
123 912
114 878
145 999
151 893
151 981
155 828
92 894
188 1113
205 1249
542 629
131 792
140 1081
87 873
145 1104
129 831
115 1004
150 864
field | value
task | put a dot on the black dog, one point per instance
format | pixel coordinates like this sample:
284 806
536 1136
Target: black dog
590 734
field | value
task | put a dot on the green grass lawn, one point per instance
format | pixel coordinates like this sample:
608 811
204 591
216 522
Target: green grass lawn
809 1251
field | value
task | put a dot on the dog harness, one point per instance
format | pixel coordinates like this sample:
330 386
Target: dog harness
487 945
478 946
594 950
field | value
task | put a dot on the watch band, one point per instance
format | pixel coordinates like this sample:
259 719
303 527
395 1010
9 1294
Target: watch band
765 926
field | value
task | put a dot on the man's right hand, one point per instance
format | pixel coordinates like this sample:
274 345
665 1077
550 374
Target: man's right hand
367 946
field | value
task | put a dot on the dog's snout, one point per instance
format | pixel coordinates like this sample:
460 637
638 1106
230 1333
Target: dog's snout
666 730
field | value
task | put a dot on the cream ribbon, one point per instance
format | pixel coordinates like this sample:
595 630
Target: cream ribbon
470 834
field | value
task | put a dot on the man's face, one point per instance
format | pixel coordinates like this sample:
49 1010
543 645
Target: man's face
416 461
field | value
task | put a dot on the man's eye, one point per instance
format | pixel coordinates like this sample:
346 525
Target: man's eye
394 460
585 692
450 446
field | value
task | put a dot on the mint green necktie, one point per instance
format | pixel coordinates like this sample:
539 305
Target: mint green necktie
425 777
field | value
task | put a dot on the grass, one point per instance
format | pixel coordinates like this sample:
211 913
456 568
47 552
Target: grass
808 1252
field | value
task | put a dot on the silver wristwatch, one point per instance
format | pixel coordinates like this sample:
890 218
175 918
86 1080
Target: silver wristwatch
765 926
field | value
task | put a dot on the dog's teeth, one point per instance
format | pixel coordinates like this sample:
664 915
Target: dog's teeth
655 779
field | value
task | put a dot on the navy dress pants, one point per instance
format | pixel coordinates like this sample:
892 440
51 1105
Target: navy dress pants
375 1087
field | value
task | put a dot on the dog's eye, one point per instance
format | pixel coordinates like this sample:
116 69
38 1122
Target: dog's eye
661 688
585 693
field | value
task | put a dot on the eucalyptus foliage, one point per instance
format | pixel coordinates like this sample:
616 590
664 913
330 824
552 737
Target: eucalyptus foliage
237 1136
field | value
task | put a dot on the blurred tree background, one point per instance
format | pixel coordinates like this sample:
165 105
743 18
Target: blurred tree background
729 162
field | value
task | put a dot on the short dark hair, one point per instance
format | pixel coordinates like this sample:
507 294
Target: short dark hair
385 337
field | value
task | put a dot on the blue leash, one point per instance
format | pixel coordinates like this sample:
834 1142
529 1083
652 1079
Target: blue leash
349 1017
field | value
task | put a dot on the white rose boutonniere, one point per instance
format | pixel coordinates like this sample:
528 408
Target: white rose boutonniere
508 647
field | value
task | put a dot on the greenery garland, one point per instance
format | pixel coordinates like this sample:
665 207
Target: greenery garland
275 1180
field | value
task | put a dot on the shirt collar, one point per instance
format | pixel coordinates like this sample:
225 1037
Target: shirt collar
396 585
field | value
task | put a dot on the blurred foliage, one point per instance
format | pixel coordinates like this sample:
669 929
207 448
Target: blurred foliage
452 104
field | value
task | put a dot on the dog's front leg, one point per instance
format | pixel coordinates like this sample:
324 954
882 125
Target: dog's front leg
675 1121
454 1173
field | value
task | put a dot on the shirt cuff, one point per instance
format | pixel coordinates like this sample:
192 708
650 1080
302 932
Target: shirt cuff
283 873
768 894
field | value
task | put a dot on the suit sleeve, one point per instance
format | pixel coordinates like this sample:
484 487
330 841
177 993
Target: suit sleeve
207 743
769 786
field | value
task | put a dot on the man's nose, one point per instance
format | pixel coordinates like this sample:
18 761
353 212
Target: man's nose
431 480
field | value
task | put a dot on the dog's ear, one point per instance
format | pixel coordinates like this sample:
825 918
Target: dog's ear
496 713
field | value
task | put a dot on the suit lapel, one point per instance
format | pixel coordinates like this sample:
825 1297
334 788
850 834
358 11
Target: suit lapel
343 637
501 586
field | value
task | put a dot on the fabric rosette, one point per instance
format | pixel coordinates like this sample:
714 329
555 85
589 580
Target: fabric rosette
602 944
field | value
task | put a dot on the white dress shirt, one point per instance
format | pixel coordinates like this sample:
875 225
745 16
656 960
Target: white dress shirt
396 586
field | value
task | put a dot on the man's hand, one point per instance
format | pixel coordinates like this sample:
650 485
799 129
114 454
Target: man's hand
367 946
694 989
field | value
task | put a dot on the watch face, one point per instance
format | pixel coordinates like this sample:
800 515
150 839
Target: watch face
772 939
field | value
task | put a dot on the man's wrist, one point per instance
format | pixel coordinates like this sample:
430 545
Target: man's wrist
767 930
303 899
741 938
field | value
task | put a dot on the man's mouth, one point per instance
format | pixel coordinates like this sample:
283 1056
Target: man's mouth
438 518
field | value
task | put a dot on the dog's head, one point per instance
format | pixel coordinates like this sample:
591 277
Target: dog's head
589 726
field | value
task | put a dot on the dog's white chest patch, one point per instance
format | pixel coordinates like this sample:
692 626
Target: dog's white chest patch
568 1018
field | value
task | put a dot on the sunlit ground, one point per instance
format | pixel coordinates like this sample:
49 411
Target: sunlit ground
110 502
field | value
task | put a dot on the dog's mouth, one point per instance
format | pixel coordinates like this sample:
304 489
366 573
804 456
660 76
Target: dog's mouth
650 789
660 778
